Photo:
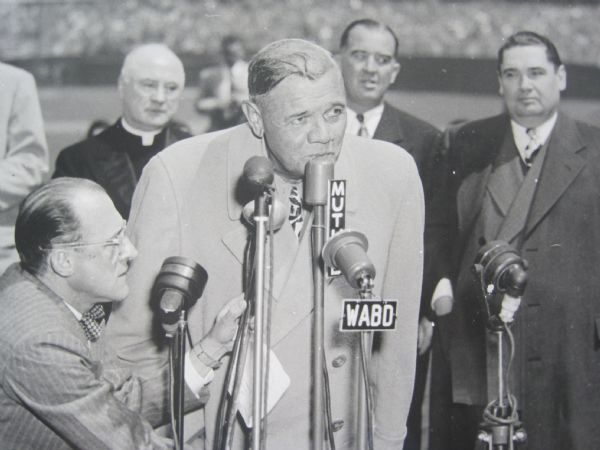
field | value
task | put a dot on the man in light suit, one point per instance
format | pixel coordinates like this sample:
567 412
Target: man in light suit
528 177
368 60
62 386
23 152
296 114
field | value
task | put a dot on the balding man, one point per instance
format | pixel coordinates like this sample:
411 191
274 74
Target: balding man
61 385
190 200
150 86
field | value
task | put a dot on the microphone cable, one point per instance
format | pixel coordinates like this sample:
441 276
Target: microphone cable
488 412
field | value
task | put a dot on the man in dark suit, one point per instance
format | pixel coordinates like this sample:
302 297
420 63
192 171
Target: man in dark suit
61 384
368 59
150 86
528 177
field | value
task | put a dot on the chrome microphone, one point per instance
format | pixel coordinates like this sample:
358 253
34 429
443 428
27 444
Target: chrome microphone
347 251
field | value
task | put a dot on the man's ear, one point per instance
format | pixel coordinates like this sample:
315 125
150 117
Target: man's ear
61 263
121 85
395 72
254 117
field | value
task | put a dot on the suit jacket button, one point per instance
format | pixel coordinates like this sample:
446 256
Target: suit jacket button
337 425
339 361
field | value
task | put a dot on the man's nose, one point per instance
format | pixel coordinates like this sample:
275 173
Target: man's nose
525 82
159 94
370 64
128 251
320 132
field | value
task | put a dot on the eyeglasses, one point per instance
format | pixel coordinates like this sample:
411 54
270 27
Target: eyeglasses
115 241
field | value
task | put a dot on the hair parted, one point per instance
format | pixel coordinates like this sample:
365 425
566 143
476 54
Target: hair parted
526 38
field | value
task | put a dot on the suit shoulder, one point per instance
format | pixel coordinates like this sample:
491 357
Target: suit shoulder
414 123
378 154
9 72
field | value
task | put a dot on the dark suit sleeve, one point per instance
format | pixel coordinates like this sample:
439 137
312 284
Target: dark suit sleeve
90 405
69 164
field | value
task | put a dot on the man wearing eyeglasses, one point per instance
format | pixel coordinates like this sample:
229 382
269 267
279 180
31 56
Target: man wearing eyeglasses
61 385
150 86
368 59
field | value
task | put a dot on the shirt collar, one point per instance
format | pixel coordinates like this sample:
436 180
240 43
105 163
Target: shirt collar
543 132
146 136
76 313
372 118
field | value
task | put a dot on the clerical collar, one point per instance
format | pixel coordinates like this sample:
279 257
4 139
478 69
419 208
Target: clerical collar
372 117
542 131
146 136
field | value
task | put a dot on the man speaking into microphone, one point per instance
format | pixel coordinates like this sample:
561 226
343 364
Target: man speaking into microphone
189 202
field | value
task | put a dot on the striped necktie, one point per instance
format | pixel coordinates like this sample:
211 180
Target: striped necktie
533 146
295 215
362 131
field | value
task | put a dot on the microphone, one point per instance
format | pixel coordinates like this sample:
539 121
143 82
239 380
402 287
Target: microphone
179 284
277 210
347 251
259 171
318 172
501 270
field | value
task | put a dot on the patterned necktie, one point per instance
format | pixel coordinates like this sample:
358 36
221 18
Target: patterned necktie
533 146
295 216
362 131
92 322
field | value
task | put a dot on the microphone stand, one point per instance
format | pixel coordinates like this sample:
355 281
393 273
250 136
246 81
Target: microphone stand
318 240
318 173
178 367
365 400
261 216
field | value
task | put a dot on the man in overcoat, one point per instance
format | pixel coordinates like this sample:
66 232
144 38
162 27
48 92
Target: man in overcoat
189 202
528 177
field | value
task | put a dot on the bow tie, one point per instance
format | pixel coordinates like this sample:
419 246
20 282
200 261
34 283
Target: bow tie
92 322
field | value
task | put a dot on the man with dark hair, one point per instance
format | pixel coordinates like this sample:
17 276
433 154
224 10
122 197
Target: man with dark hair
62 386
150 85
527 177
222 88
368 59
296 113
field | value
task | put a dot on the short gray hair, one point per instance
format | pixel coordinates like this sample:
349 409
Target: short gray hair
280 59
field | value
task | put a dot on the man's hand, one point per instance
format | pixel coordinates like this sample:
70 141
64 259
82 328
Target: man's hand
219 339
424 335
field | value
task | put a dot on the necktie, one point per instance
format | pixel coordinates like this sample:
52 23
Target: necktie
295 215
533 146
92 322
362 131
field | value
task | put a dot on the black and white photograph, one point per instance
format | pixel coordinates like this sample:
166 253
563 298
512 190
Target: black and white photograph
300 224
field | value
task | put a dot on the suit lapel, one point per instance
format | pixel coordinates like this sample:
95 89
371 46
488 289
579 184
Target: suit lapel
560 168
389 128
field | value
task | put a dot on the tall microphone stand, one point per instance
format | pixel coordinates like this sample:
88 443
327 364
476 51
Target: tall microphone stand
503 278
178 361
261 216
365 400
317 176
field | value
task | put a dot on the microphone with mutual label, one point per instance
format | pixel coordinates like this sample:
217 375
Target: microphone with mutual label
347 251
179 285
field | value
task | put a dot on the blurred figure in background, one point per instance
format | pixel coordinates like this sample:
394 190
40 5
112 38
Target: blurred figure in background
223 88
23 151
150 86
368 59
